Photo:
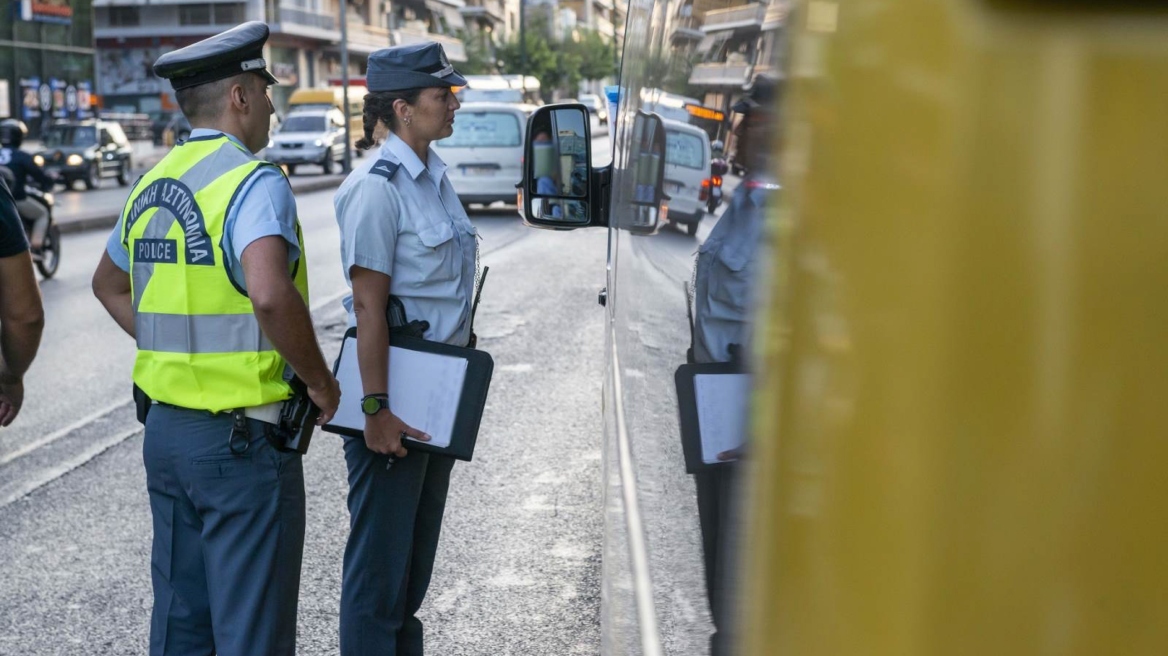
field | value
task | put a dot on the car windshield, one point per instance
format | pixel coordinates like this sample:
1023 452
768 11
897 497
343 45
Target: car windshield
70 135
483 130
683 150
304 124
491 95
591 101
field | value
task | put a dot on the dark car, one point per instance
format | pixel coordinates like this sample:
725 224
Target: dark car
87 151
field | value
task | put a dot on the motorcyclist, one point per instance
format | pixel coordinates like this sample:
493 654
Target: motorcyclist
12 134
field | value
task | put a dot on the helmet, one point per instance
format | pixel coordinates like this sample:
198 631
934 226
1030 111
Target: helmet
717 145
12 132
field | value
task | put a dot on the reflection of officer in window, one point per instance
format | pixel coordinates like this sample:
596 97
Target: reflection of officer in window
723 294
206 270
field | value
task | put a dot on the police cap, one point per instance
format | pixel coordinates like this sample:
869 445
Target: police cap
238 50
763 92
411 67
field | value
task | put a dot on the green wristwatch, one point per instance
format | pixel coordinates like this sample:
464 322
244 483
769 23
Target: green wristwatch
373 403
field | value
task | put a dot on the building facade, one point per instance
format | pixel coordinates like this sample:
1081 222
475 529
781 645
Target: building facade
46 61
304 49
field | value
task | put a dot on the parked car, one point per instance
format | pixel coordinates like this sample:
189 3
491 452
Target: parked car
86 150
596 106
309 136
687 173
484 155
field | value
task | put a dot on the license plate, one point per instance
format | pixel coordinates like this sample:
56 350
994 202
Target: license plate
477 170
676 187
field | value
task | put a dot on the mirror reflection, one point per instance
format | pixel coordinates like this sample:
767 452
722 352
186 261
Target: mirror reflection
649 162
562 210
559 154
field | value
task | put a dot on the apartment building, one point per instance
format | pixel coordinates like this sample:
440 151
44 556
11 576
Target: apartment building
304 49
736 44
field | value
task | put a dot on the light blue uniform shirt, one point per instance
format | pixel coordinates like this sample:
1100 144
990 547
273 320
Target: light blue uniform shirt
264 207
413 229
724 275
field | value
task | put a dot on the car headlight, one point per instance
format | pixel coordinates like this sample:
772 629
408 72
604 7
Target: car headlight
318 143
74 160
38 160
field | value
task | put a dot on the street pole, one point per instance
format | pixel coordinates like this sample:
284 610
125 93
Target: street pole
522 41
348 165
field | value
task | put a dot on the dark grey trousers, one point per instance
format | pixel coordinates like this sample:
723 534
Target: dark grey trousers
395 518
228 538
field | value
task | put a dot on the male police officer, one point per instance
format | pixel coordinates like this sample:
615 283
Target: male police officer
206 269
21 315
723 293
12 134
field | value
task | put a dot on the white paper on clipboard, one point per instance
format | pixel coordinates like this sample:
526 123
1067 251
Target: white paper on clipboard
424 390
723 401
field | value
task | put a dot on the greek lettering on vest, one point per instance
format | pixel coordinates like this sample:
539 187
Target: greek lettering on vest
178 200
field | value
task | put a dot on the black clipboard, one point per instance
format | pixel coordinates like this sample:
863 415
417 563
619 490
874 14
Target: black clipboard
472 400
687 409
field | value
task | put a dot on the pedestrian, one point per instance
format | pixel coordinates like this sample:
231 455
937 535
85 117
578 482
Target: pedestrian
22 317
724 276
206 269
403 232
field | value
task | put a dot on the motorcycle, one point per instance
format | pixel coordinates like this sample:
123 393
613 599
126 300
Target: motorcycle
718 168
48 257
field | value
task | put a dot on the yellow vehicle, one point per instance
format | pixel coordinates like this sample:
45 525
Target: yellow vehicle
327 97
956 342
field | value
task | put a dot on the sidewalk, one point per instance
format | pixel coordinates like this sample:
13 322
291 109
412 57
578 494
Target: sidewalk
76 211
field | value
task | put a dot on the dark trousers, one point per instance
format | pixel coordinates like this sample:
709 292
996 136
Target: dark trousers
395 518
716 489
228 538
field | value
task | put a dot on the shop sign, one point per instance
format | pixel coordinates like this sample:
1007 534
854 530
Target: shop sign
60 109
46 11
85 99
30 99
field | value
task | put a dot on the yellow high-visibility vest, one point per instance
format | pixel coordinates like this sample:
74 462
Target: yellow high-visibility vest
200 345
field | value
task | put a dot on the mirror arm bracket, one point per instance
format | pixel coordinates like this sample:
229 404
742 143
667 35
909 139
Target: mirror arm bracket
602 192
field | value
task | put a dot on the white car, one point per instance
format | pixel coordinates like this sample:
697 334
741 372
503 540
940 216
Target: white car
687 173
484 156
309 136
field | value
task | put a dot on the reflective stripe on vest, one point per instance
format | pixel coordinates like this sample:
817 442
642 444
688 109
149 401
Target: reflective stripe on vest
200 333
200 345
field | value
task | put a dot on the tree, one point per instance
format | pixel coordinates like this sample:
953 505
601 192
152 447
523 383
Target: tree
558 64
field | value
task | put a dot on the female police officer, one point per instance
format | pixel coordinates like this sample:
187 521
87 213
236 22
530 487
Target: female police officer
403 232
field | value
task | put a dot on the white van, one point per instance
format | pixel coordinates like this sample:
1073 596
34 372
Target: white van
687 173
484 156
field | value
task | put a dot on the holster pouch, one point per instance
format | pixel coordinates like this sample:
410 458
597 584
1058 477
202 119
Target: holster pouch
395 316
142 404
297 421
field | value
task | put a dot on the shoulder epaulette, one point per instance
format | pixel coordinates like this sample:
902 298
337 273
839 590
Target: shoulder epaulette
385 168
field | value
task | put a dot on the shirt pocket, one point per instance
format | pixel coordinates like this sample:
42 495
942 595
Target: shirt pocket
434 256
730 281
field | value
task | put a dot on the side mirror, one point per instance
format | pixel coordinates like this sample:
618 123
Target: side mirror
560 189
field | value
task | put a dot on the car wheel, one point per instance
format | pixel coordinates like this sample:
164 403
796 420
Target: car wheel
692 229
327 164
93 176
124 174
291 169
